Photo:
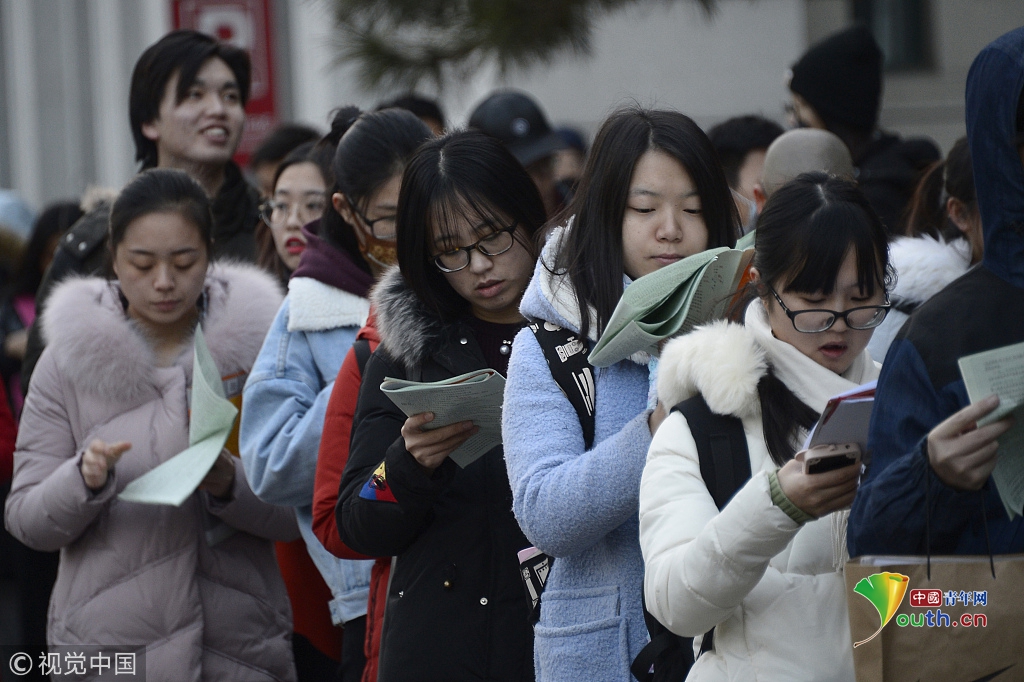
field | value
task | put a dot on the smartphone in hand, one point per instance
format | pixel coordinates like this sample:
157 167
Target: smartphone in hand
822 458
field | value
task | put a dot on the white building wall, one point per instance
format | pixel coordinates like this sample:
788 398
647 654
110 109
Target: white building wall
67 64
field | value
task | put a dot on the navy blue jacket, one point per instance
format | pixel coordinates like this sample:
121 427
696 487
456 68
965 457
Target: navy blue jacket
920 384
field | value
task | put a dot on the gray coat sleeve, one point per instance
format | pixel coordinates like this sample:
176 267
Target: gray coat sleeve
49 505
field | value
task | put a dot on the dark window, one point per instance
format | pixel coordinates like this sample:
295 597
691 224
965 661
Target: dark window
901 28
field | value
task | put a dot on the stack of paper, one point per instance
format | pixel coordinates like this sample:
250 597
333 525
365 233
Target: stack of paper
671 301
846 419
1001 371
475 396
211 421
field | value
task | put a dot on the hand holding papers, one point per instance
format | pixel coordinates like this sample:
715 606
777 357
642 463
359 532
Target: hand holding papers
211 421
475 396
670 301
1001 371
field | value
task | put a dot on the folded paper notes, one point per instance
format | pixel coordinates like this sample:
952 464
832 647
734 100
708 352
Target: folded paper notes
671 301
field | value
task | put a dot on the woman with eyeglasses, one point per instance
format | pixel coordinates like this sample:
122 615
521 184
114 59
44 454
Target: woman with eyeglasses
299 198
286 395
456 605
766 571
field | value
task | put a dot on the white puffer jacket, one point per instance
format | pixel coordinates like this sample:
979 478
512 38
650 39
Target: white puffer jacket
772 589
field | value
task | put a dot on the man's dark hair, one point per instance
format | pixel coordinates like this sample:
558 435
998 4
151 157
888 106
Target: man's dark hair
735 138
281 141
180 52
421 106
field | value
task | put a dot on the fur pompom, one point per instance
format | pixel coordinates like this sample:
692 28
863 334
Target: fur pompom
722 361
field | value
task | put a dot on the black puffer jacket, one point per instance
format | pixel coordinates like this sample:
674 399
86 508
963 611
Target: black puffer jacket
889 171
457 608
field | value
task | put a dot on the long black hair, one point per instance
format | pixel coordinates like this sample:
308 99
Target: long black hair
591 255
464 173
54 221
952 177
370 148
804 233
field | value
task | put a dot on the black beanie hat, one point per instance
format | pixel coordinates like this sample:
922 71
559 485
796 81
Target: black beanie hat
841 77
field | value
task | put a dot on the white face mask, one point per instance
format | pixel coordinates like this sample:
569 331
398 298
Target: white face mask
748 218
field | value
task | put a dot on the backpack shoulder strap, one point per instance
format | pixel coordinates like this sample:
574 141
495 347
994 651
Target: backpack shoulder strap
566 355
725 467
361 347
721 448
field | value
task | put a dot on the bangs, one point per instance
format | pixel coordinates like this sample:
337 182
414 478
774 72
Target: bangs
836 228
449 207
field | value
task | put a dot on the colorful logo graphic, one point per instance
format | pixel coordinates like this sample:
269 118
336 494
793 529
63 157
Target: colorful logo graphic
885 592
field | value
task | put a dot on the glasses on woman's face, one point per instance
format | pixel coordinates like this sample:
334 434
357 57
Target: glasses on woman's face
277 213
494 244
819 320
383 228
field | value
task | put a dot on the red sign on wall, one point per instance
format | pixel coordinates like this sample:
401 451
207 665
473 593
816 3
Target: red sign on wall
244 24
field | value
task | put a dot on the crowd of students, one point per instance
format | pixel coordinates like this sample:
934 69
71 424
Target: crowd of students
335 537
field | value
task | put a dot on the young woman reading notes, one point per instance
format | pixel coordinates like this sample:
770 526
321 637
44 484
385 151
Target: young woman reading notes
765 572
109 402
456 606
652 193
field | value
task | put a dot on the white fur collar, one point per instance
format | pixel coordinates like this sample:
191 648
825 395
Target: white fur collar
314 306
925 265
104 353
725 361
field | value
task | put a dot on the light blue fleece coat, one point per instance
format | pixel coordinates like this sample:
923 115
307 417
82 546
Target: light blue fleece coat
283 407
580 506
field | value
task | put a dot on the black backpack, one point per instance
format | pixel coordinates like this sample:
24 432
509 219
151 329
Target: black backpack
725 467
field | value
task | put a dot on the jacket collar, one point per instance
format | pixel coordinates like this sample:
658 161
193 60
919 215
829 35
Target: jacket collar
925 265
314 306
408 330
550 296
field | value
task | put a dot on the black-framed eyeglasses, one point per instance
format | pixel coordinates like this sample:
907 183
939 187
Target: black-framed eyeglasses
819 320
494 244
275 213
383 228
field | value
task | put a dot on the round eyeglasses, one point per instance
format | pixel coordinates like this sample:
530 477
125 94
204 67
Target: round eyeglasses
276 213
494 244
383 228
819 320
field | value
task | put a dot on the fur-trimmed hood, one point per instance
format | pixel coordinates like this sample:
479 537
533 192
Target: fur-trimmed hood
102 351
408 329
925 265
724 362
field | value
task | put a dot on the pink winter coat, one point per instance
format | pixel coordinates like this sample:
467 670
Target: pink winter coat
144 575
